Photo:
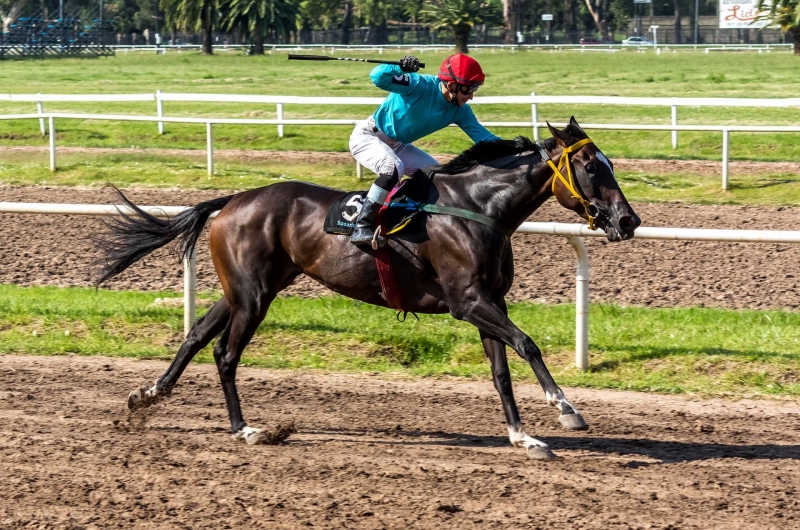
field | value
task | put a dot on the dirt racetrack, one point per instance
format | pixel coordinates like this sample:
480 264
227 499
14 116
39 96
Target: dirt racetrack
377 453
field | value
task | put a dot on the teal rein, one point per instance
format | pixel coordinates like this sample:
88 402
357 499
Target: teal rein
412 205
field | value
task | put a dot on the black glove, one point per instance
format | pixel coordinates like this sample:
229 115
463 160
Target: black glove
409 63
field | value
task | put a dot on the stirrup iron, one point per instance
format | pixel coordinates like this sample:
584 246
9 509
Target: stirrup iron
376 239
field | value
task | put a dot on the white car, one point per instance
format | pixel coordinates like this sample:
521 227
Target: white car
636 41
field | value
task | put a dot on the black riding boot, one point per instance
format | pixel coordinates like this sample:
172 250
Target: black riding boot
365 224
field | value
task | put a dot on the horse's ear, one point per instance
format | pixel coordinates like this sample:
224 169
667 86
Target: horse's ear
575 129
561 138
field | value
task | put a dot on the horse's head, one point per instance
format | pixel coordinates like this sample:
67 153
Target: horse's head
585 183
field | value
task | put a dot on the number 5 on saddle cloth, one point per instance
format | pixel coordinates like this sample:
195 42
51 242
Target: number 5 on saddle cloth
404 208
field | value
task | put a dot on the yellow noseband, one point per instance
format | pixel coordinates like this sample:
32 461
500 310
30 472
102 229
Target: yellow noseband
569 183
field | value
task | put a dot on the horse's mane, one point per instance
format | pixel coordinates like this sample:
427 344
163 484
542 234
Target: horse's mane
483 152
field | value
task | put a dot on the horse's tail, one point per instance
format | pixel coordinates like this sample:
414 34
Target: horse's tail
131 237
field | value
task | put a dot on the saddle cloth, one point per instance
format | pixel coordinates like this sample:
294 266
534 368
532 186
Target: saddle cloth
342 215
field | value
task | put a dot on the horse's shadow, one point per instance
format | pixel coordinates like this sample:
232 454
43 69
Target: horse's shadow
661 451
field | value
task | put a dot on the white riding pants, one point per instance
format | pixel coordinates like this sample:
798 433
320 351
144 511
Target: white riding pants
384 155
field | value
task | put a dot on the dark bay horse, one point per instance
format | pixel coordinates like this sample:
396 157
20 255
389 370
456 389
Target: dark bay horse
263 239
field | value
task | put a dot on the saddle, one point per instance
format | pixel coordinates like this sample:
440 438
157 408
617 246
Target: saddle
407 201
412 190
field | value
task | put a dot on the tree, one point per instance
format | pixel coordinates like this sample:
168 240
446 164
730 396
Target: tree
620 9
374 13
259 18
599 9
323 14
460 16
511 17
678 38
10 12
347 21
786 14
571 20
193 15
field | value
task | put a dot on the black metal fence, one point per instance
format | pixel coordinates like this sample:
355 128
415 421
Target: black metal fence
38 36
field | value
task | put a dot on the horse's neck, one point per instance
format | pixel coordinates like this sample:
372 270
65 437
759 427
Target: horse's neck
508 194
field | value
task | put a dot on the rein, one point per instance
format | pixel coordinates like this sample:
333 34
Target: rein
569 184
413 205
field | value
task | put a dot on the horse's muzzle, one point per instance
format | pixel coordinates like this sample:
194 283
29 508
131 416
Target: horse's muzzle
622 227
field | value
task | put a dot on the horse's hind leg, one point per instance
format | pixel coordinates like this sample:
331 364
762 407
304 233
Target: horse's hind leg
203 331
245 319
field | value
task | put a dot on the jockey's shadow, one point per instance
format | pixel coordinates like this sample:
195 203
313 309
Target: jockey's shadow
663 451
671 451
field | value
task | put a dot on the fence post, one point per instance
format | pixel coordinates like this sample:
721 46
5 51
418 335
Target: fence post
189 291
280 118
51 126
40 109
210 147
358 170
674 124
726 140
581 303
535 119
160 111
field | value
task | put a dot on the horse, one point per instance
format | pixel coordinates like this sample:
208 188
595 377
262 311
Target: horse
262 239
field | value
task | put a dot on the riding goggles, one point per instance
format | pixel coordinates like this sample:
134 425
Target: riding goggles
467 89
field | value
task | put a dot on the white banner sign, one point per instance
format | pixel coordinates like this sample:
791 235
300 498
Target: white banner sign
740 14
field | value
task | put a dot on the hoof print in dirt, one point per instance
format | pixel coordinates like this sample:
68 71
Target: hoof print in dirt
573 422
541 453
276 436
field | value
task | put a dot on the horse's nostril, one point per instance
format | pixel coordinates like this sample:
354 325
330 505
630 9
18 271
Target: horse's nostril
626 222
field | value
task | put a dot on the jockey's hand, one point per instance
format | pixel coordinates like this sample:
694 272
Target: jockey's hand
409 63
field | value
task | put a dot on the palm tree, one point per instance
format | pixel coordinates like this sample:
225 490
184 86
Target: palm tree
786 14
460 16
258 18
193 15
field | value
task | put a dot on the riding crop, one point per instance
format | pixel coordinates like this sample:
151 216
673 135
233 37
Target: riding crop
326 58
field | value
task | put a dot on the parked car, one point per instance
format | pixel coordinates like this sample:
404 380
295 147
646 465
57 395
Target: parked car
591 40
636 41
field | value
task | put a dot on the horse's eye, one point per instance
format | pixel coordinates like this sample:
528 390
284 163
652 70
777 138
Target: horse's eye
590 168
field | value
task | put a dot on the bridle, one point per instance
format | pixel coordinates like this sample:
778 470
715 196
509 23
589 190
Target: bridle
569 182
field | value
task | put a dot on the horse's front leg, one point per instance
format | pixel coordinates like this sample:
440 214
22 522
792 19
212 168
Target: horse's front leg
490 318
496 352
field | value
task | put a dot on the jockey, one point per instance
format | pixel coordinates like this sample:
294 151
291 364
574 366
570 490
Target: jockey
417 105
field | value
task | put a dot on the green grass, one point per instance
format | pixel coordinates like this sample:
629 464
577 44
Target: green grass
754 190
148 170
624 74
706 351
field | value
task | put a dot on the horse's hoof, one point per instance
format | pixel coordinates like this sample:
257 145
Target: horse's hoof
252 436
573 422
135 399
541 453
249 435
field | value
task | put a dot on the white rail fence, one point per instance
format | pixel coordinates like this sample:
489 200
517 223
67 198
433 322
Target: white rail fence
443 48
533 100
573 232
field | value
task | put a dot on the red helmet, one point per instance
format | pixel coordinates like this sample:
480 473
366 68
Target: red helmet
461 69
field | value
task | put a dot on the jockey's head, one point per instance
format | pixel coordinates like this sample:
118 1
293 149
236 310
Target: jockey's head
461 76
